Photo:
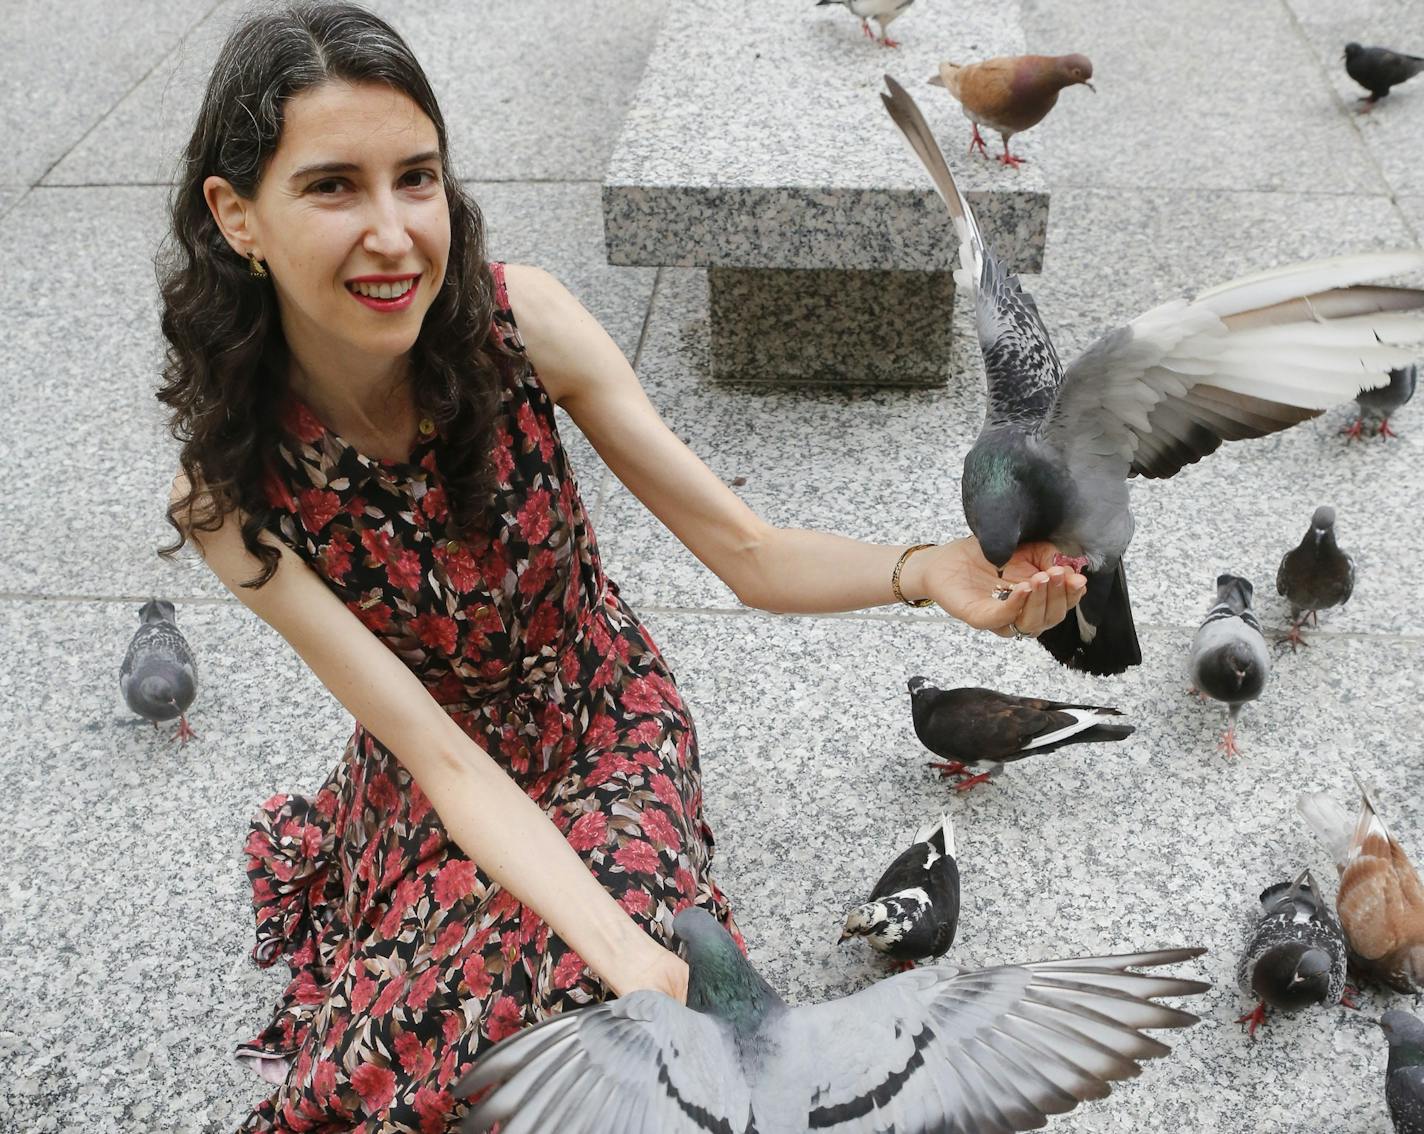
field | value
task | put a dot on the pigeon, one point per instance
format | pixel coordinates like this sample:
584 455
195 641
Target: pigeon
1315 574
881 11
159 677
913 911
1378 68
1295 956
930 1050
1380 902
1378 404
1011 93
1057 446
1229 661
1404 1075
979 728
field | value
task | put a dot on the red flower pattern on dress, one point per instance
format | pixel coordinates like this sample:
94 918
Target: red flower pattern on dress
318 507
375 1085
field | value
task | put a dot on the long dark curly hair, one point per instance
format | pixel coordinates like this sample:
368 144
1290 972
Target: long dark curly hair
227 359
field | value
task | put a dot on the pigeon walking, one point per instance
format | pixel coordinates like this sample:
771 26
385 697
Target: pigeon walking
913 911
1380 902
1295 956
1244 359
1229 661
975 732
1315 574
159 678
1404 1075
881 11
1378 68
1011 93
1377 406
930 1050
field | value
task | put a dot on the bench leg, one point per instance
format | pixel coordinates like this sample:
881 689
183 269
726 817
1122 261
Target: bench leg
796 326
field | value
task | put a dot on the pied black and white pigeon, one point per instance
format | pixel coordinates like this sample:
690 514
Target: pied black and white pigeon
159 677
1377 406
975 732
881 11
1378 68
930 1050
1229 661
1057 446
1295 956
1315 574
1404 1074
913 911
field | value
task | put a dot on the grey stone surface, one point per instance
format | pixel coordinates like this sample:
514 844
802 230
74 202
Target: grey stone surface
1413 209
830 326
10 197
757 139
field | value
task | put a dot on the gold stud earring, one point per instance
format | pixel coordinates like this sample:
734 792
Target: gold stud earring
255 268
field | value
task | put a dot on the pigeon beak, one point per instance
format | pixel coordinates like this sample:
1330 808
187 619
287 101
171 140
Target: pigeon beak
842 938
1090 86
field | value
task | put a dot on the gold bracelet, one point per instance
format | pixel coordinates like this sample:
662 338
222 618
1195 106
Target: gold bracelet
895 578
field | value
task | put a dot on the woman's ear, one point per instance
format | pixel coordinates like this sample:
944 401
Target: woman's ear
233 215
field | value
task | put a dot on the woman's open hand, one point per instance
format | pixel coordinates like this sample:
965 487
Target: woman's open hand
958 577
651 965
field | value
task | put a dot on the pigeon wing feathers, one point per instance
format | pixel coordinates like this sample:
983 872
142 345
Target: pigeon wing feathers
1245 359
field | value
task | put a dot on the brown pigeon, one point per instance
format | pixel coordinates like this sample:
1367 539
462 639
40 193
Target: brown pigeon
1012 92
1380 901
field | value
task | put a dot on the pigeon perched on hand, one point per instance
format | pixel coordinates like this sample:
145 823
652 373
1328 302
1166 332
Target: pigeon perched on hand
1404 1075
1295 956
1229 661
1315 574
930 1050
1379 404
159 678
1378 68
1056 449
913 911
881 11
1380 901
972 728
1011 93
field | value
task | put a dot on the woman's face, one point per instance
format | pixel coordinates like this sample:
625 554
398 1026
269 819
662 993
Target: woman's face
352 221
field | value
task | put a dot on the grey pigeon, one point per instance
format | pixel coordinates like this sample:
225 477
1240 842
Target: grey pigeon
1378 68
1057 446
1295 956
159 678
913 911
930 1050
975 732
881 11
1377 406
1315 574
1404 1075
1229 660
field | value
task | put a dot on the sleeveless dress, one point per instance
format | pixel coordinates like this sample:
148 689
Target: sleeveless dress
407 962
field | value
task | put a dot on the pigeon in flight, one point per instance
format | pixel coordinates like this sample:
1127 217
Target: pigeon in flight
1379 404
1229 660
930 1050
972 729
1378 68
1315 575
881 11
1404 1074
913 911
1295 956
159 678
1057 446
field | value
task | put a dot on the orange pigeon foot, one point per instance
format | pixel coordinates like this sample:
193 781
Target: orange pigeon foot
978 140
1253 1019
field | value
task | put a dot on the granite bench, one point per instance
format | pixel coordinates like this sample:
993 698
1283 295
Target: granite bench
757 147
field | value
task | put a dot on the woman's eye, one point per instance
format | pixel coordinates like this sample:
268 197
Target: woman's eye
420 178
328 187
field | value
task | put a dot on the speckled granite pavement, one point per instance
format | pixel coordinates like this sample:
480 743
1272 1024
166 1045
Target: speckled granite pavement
124 923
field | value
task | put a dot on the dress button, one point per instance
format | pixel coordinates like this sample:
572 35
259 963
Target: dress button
427 427
452 546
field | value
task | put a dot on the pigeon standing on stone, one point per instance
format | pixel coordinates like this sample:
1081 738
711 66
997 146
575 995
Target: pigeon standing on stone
881 11
972 728
1295 956
1011 93
933 1049
1404 1075
1380 901
913 911
159 678
1229 661
1315 574
1057 446
1379 404
1378 68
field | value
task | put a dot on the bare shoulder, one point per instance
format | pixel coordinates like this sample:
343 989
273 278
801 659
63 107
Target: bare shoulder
565 344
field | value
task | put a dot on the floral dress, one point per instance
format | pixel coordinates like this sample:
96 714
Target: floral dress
407 961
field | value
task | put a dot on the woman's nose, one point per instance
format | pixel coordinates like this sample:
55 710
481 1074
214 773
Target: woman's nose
387 229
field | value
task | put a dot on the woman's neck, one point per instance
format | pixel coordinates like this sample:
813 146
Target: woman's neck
374 411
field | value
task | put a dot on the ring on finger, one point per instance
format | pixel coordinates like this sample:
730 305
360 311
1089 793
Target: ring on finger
1019 635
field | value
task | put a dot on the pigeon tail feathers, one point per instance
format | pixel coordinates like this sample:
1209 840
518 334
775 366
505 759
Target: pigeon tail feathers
1099 637
1332 824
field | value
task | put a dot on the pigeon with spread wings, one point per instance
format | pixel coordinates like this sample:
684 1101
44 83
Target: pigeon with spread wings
1058 444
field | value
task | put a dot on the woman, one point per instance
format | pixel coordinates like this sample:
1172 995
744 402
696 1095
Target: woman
370 462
